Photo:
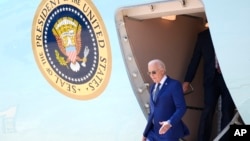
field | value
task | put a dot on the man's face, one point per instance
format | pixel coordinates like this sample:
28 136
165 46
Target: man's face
155 73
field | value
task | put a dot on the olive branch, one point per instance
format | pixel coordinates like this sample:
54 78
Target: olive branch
60 59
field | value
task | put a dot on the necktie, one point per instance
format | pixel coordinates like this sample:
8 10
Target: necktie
155 93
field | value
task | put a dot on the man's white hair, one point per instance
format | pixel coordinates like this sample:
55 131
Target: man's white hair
158 62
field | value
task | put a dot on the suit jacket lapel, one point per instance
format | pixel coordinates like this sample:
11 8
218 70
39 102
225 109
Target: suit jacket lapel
151 92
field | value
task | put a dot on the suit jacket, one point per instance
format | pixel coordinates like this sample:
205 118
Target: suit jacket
170 105
203 48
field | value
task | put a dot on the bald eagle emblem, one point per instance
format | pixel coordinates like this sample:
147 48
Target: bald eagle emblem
67 32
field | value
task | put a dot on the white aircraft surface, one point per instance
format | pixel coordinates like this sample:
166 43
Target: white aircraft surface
43 99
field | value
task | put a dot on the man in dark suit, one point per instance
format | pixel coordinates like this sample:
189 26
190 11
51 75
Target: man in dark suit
214 86
167 106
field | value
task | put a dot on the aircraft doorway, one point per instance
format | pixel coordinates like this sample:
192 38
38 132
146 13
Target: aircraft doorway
145 34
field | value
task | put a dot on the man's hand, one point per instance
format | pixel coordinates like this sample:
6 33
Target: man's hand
144 138
165 125
185 86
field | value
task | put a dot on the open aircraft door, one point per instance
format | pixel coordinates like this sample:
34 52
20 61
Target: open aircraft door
166 30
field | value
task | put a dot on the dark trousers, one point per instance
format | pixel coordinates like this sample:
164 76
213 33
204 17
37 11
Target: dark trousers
211 96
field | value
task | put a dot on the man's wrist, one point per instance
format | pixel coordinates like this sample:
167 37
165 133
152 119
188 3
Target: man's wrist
168 121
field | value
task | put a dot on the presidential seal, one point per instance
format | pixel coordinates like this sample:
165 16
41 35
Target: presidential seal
71 47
